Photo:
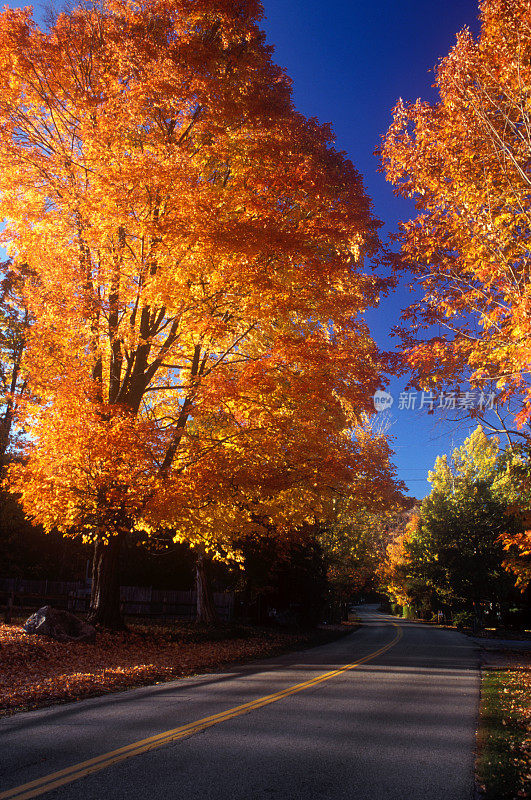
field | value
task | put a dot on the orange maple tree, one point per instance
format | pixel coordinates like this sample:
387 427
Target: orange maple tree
197 253
467 161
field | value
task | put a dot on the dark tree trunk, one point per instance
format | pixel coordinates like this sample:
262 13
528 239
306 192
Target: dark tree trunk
105 593
5 431
206 610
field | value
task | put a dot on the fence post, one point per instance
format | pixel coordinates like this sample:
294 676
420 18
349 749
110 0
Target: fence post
9 608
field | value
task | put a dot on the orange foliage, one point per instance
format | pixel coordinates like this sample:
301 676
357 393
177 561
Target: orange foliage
518 559
197 259
466 161
36 671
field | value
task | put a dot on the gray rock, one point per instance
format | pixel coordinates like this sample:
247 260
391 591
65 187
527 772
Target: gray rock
59 625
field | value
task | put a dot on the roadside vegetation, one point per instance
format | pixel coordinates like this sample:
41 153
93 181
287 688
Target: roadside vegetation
503 766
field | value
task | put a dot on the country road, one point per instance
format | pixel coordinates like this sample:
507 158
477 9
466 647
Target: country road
398 724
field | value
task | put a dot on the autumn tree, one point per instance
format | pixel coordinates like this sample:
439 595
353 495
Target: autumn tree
198 249
394 568
467 162
517 543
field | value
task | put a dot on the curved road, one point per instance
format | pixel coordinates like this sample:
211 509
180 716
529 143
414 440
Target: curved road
398 724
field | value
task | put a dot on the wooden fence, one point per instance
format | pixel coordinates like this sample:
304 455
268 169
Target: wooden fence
26 594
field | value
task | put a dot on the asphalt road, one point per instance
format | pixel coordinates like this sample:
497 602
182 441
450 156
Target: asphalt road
400 725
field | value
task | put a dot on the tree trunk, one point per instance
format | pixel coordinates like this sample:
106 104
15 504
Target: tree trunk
206 610
5 430
105 593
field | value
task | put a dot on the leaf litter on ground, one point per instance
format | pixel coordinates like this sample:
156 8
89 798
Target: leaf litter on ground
36 671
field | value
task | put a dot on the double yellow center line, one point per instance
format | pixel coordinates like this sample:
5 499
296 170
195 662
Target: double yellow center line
73 773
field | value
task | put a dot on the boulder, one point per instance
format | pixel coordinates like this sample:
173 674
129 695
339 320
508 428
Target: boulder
59 625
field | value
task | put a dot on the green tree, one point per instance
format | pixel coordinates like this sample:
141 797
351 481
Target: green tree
455 554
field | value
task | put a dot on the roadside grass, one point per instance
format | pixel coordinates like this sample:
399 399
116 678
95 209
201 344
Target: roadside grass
503 765
36 671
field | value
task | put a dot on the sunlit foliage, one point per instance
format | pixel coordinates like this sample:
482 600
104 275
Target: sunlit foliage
198 249
466 160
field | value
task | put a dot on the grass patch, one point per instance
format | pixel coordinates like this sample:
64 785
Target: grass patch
503 765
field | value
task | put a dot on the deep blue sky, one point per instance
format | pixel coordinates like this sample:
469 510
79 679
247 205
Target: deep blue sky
350 61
